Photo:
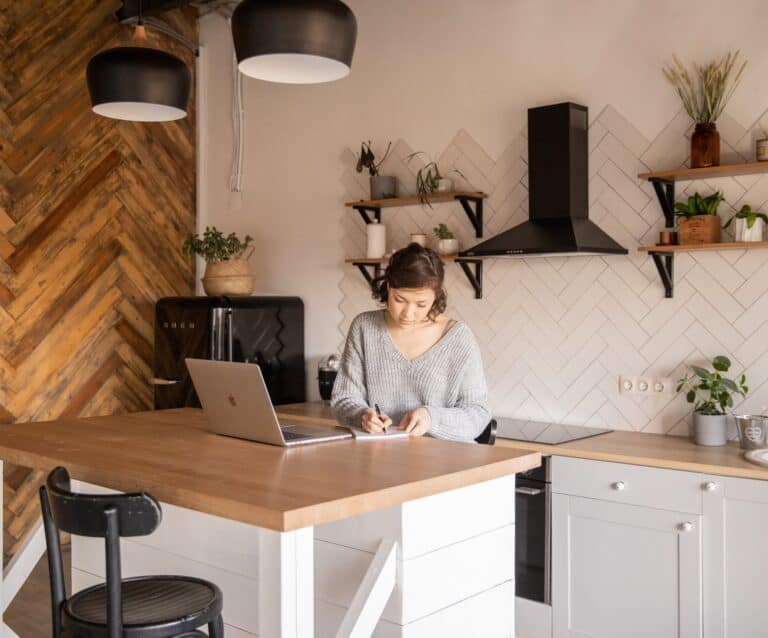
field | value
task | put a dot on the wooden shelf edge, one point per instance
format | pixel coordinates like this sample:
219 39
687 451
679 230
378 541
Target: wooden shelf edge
726 170
747 245
409 200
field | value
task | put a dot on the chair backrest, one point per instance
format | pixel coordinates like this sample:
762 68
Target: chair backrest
109 516
488 436
83 514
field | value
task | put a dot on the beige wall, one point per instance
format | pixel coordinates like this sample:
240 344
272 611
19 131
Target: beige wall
440 75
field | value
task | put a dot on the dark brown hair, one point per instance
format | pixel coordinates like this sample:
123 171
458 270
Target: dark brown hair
413 267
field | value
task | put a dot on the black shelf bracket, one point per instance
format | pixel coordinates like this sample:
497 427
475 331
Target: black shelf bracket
364 210
665 263
665 191
475 216
475 278
369 271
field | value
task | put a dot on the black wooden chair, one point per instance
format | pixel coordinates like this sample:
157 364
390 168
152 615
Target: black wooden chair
488 436
142 607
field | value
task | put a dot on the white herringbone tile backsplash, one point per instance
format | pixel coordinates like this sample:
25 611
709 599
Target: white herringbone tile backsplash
556 333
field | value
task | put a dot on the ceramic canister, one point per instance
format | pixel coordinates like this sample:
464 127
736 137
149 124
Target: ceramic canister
377 240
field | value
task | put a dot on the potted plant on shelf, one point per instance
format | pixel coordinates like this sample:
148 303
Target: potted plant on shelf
749 224
711 394
430 180
227 270
447 244
382 186
704 99
698 221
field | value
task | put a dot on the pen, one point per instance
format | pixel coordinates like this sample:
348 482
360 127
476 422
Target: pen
378 414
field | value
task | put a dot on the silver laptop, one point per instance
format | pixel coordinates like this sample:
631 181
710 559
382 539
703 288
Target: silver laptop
236 403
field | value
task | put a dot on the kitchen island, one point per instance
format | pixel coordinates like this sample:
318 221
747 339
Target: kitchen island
399 538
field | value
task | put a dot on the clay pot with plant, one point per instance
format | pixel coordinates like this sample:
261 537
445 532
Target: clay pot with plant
447 244
698 221
227 270
704 98
430 180
711 395
748 224
382 186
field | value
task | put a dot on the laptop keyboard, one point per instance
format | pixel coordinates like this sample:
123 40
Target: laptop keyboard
293 436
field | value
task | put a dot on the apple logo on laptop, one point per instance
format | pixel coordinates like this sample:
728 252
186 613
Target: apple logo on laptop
232 401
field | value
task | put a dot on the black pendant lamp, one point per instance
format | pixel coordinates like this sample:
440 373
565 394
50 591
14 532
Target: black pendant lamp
294 41
139 84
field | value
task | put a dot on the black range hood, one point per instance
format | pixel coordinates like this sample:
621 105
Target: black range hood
558 192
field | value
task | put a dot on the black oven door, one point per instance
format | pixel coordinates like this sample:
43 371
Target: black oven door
532 542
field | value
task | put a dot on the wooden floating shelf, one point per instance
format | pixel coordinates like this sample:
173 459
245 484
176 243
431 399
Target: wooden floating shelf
727 170
685 248
410 200
385 260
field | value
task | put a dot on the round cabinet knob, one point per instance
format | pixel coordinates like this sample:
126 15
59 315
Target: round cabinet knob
710 486
618 486
685 527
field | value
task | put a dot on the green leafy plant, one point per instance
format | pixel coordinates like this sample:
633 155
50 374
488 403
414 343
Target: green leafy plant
428 178
698 205
442 232
367 159
215 247
709 391
704 97
750 215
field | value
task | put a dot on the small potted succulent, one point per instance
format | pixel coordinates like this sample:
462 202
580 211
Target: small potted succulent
382 186
430 180
704 97
711 395
749 224
698 221
447 244
227 270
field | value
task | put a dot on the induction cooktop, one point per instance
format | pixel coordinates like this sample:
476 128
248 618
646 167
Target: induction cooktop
539 432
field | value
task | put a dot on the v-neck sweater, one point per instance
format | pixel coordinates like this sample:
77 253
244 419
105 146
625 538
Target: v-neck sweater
447 379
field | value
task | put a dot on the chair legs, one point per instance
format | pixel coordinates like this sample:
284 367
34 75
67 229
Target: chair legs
216 628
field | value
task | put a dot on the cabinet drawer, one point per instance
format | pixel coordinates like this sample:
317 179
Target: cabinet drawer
631 484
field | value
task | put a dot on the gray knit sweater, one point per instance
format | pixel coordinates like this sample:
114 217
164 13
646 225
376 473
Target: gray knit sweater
447 379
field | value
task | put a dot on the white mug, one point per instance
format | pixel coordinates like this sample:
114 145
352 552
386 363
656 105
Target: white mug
419 238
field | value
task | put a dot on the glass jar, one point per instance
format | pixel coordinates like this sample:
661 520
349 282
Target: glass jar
705 146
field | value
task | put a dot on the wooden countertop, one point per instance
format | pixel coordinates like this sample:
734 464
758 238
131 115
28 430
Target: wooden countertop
637 448
171 455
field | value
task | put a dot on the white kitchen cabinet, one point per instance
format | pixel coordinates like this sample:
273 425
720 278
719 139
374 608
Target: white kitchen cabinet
625 564
735 557
624 571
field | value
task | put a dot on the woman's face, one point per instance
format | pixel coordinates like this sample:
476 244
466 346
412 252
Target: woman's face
410 306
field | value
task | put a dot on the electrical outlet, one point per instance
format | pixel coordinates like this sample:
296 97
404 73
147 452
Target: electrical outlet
646 385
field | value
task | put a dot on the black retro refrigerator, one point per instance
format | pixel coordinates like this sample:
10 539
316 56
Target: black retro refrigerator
268 331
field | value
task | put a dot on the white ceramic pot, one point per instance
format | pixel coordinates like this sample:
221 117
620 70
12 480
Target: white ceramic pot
710 429
742 233
448 246
444 185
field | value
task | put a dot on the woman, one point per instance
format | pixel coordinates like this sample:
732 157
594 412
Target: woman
422 369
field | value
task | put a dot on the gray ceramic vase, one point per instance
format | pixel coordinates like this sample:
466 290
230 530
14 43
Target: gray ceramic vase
383 187
710 429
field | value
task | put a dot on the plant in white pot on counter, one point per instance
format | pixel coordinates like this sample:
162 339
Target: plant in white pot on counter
382 186
227 270
447 244
711 395
749 224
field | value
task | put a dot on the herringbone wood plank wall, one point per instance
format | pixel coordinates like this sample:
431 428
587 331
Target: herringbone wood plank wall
93 213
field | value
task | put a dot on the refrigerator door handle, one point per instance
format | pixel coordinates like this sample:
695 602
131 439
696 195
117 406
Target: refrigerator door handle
229 334
157 381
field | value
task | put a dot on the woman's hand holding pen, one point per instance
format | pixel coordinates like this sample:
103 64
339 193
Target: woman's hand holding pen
373 422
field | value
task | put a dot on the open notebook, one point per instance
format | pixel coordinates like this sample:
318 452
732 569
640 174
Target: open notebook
391 433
